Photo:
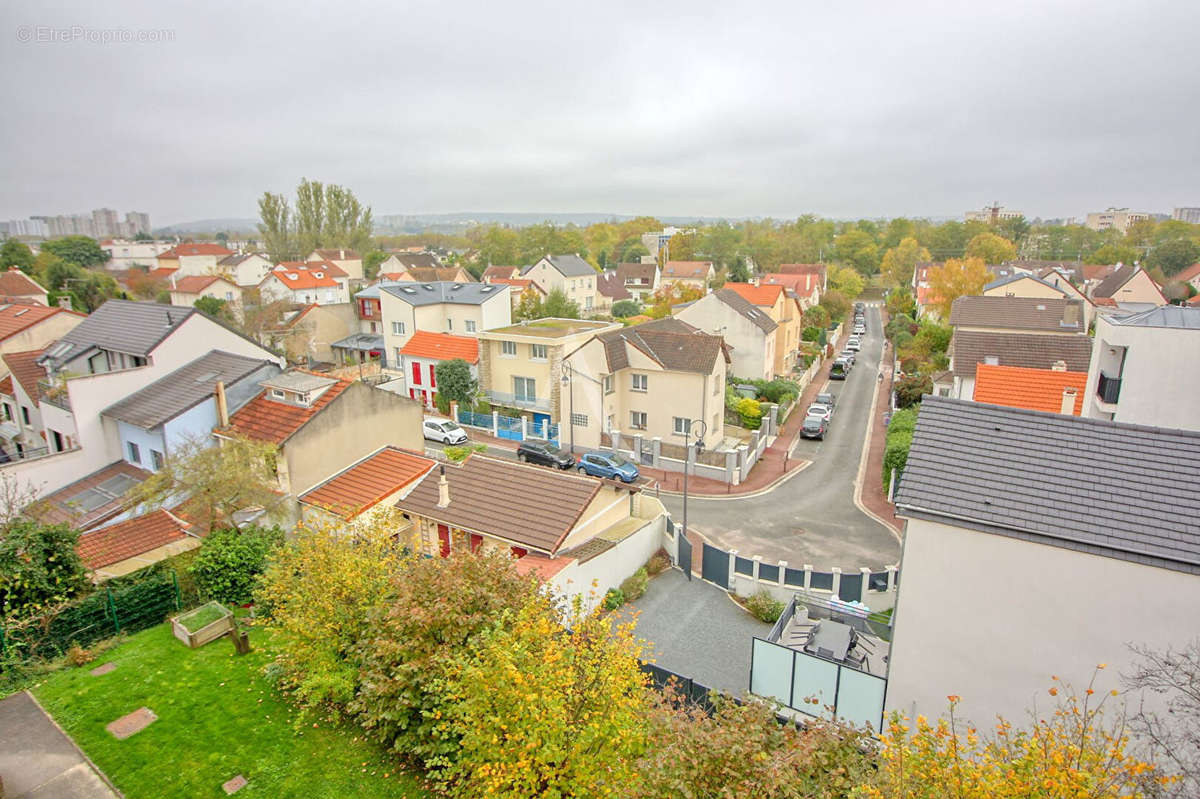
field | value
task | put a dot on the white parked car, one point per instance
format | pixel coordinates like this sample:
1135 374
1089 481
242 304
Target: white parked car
823 411
854 344
860 330
444 431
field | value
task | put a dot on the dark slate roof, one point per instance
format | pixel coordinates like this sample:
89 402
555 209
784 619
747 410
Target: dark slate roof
1094 486
183 389
1117 278
570 265
643 273
747 309
672 343
134 328
610 284
1180 316
1021 313
970 348
1012 278
418 260
443 291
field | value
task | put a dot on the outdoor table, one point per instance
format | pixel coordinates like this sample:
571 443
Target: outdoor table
832 636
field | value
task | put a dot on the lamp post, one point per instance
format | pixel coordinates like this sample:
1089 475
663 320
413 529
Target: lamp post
687 451
569 381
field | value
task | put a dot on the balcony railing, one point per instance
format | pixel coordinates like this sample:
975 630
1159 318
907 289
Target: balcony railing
55 393
1108 389
523 401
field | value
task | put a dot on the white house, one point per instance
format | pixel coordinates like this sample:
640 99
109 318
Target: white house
245 269
349 261
305 284
461 309
748 329
570 274
193 259
420 357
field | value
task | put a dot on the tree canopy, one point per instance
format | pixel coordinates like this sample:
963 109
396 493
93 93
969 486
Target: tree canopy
325 215
957 277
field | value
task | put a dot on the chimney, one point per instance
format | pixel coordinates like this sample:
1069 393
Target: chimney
173 283
1068 401
443 489
64 301
222 405
1059 366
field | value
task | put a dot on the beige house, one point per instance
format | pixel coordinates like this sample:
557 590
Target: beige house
27 325
748 330
461 309
783 309
189 288
571 274
193 259
521 366
308 332
15 284
429 274
689 273
1062 281
1129 286
349 261
245 269
652 380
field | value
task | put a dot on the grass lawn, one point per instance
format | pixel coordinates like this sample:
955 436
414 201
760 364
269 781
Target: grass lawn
217 717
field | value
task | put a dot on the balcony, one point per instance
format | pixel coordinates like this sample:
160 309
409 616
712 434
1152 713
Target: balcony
522 401
1108 389
55 393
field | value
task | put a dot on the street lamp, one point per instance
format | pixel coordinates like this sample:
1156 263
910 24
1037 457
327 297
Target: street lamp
569 382
699 429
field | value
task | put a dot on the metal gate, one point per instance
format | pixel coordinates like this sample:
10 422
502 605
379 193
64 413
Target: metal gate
715 566
685 551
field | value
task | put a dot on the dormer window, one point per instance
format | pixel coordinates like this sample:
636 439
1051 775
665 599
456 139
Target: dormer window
277 394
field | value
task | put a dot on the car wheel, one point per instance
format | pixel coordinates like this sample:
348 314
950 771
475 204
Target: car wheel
521 457
582 469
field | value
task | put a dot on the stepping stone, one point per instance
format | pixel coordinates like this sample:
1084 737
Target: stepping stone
235 784
105 669
135 722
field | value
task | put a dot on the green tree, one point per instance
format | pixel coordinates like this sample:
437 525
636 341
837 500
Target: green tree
501 246
455 383
143 236
1112 254
81 251
371 262
559 306
898 230
836 304
1014 229
901 302
630 251
992 249
310 216
16 253
231 560
739 272
858 249
720 242
1174 255
275 227
901 261
623 309
214 307
847 281
536 241
681 247
87 289
39 566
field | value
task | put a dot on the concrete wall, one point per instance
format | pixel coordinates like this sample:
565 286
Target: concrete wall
1052 612
41 335
609 506
318 329
591 579
1025 287
1139 288
146 441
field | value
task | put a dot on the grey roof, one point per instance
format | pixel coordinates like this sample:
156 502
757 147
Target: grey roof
1094 486
969 348
134 328
1022 313
298 381
568 265
359 341
1117 278
434 293
747 309
372 292
672 343
183 389
1004 281
238 257
1180 316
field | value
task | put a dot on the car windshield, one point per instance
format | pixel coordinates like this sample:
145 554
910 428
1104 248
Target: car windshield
812 421
449 427
616 460
550 449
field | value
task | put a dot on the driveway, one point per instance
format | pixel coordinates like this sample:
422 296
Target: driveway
695 630
38 760
812 518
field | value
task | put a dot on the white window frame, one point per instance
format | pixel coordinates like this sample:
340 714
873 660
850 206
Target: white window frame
635 379
634 416
526 396
533 352
397 328
508 349
687 425
470 325
609 384
134 452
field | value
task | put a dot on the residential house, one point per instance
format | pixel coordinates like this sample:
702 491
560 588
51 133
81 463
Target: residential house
135 543
520 289
580 535
1053 390
363 496
521 365
640 280
1063 508
15 284
193 259
402 260
125 254
430 274
26 325
572 275
921 292
465 309
349 261
805 287
119 349
185 405
1189 275
807 269
1029 314
312 333
748 330
695 274
420 357
494 273
1020 284
245 269
969 349
321 425
610 289
1064 283
97 499
188 289
1145 368
306 284
1131 288
22 432
652 380
784 309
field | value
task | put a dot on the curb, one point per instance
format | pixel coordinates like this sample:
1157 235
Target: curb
768 488
862 467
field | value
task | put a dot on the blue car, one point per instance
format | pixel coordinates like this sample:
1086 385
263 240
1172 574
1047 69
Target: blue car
610 465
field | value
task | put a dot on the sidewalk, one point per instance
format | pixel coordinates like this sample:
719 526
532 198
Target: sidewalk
872 493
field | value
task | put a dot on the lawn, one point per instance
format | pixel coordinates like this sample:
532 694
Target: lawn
217 717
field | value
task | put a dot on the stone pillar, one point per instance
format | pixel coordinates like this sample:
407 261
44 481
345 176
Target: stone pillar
732 577
731 470
782 573
655 450
808 576
637 447
454 410
866 584
891 585
837 580
496 423
757 565
773 419
615 436
743 456
524 427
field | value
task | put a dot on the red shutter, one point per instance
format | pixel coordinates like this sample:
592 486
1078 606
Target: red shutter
518 552
443 540
432 376
416 373
476 541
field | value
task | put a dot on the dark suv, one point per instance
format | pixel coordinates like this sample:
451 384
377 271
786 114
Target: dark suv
543 453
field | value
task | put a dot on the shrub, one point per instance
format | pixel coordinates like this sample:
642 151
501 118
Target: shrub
78 656
483 406
231 560
904 420
910 388
765 607
635 585
895 454
811 333
779 391
626 308
614 599
39 567
658 563
442 403
751 413
459 453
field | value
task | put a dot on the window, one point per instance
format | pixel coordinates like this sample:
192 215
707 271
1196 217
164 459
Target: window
579 419
508 349
682 425
24 414
637 420
640 382
156 458
587 302
524 389
278 394
397 328
449 325
229 296
7 412
608 384
135 454
470 325
537 352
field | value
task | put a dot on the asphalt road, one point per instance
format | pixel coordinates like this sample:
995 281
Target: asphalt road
812 517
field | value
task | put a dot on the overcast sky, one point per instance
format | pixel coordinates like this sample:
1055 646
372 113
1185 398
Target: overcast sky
844 109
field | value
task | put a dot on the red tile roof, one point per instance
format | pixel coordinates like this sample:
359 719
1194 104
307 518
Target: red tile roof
1194 300
22 314
1183 277
692 270
368 482
542 566
442 347
801 284
195 249
765 296
194 284
304 278
339 254
26 371
265 419
492 273
328 267
129 538
163 271
15 283
1032 389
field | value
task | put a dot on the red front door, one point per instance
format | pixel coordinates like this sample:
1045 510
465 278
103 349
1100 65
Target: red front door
443 540
416 373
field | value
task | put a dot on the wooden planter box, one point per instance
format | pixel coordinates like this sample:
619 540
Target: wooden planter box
209 632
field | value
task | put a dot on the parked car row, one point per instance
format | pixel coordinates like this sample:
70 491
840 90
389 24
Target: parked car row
819 415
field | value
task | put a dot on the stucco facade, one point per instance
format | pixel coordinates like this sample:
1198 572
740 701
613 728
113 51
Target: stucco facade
400 319
752 349
580 289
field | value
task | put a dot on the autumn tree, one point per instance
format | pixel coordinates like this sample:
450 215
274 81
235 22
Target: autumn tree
991 248
848 282
957 277
669 295
1172 733
680 247
858 249
901 261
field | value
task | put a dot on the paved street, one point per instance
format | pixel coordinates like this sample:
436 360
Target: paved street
812 518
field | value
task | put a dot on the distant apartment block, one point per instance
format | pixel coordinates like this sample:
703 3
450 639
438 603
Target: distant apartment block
1115 219
1189 215
100 223
992 214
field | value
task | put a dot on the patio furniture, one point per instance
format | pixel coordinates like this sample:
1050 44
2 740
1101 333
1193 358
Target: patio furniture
831 640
